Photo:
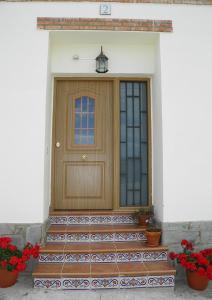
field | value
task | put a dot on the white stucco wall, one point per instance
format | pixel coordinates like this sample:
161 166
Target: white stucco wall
184 115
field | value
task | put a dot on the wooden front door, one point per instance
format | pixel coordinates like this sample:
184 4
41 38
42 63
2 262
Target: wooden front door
83 167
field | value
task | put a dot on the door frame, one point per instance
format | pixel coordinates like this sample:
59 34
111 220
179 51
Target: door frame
116 136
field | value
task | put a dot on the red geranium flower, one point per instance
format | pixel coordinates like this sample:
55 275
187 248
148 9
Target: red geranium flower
13 260
184 243
20 267
12 248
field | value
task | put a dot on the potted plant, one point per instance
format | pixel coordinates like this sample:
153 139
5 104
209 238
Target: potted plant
144 214
153 233
13 260
198 265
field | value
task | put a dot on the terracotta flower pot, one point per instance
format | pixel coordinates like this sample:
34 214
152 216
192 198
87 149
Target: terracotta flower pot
153 238
143 220
196 281
7 278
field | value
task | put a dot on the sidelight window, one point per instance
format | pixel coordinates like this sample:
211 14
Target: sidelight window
133 144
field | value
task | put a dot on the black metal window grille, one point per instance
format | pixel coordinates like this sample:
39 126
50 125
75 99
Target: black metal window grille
133 144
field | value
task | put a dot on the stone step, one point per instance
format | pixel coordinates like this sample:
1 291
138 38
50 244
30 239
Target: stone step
95 233
80 217
98 276
101 252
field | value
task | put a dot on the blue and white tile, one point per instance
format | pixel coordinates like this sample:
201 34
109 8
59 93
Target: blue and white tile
48 283
129 256
51 258
133 282
105 283
58 220
76 283
103 257
77 258
101 237
155 256
78 220
56 237
161 281
77 237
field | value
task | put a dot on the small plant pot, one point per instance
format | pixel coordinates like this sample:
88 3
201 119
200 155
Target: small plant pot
153 238
143 220
196 281
7 278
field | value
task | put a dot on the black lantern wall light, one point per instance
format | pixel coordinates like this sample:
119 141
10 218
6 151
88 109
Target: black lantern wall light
101 63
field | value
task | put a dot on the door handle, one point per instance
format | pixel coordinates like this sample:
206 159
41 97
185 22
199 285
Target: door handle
57 144
84 157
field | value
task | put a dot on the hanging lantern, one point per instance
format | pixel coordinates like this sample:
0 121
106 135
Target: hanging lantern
101 63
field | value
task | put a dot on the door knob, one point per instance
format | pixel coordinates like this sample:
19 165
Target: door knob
84 156
58 144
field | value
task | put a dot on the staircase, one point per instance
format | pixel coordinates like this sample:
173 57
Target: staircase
100 249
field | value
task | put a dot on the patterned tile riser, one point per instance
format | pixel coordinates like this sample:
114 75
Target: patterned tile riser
104 283
95 237
104 257
92 220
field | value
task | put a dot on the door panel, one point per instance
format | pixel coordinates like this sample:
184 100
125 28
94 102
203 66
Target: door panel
83 160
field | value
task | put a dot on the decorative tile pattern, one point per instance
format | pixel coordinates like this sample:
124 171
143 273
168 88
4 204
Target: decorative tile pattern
161 281
76 283
129 256
129 236
51 258
80 220
56 237
104 283
155 256
104 219
96 237
77 237
57 220
49 283
103 257
77 258
132 256
93 220
102 237
121 219
133 282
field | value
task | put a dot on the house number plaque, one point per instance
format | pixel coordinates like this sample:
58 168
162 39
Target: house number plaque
105 9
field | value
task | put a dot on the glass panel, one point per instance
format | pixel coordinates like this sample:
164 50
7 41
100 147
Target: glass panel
129 89
130 177
77 136
78 105
136 112
143 127
130 142
123 127
91 105
129 112
84 120
137 148
133 144
123 97
84 104
136 88
77 121
91 121
90 136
